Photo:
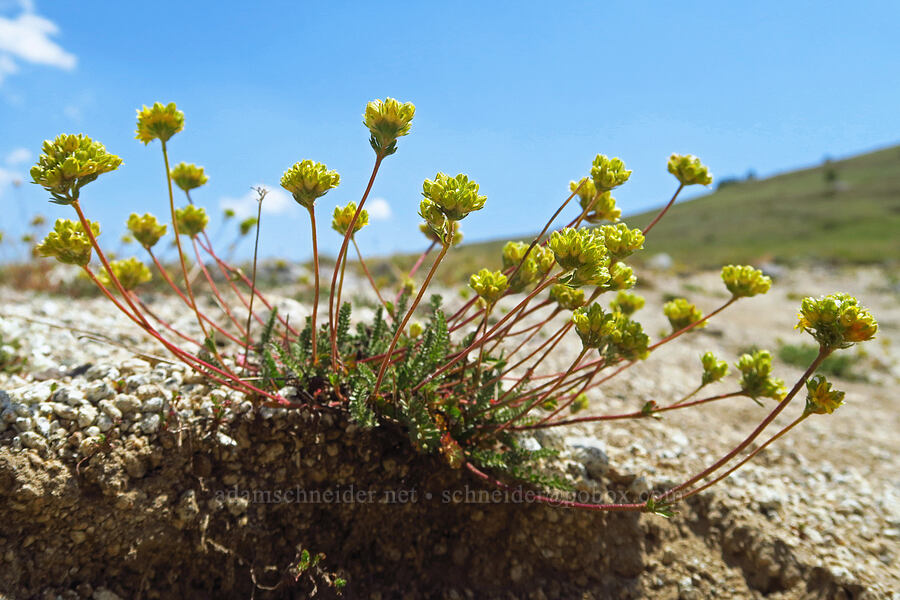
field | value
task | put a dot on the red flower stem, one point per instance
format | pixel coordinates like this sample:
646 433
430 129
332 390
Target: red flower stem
415 268
187 282
168 279
315 308
409 314
487 336
215 290
365 269
664 210
340 257
632 415
744 460
823 354
228 271
556 502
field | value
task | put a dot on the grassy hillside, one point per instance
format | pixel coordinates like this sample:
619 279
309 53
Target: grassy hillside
796 217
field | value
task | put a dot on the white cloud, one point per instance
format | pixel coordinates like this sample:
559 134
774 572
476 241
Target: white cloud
8 178
18 156
277 202
27 38
379 209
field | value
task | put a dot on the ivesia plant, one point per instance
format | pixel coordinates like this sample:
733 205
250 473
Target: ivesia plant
464 385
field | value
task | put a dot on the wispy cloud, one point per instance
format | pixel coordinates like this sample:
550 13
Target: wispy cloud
27 38
18 156
379 209
277 202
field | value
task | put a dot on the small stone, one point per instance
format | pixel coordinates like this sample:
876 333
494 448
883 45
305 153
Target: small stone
64 411
152 405
150 423
237 505
127 404
101 371
529 443
147 391
87 414
32 440
99 390
23 424
134 365
591 453
42 426
105 594
78 536
109 409
225 440
92 431
187 508
104 423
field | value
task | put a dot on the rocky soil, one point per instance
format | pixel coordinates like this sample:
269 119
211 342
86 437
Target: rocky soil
123 475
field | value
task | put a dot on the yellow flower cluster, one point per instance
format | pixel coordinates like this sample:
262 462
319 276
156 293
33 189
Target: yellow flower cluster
836 320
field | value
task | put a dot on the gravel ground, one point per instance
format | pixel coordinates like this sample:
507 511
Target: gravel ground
823 503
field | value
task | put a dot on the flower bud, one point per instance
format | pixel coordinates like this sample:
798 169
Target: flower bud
490 286
713 368
68 243
454 231
688 170
821 398
456 196
836 320
593 325
568 298
191 220
682 313
608 173
577 248
344 216
621 241
308 180
602 205
247 225
627 303
756 379
387 120
745 281
70 162
130 272
188 177
146 230
159 122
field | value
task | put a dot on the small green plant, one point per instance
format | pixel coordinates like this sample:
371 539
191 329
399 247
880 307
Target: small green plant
463 383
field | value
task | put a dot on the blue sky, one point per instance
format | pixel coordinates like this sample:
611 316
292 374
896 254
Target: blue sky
519 95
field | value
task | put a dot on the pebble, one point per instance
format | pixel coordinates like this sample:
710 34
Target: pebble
591 452
127 404
151 405
33 440
150 423
87 414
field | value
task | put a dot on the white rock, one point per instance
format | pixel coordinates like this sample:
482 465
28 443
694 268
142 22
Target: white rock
226 441
529 443
104 423
127 404
23 424
152 405
42 426
99 390
64 411
591 453
150 423
87 414
105 594
101 371
92 431
32 440
109 409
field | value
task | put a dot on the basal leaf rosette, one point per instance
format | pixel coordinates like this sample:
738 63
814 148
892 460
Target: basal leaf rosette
68 243
191 220
689 170
756 376
158 122
343 216
146 229
308 180
70 162
836 320
744 281
387 120
188 176
130 272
